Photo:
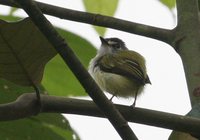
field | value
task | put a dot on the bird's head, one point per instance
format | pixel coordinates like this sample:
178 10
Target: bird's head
111 45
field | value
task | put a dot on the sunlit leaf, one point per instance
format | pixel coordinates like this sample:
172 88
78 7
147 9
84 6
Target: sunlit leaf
169 3
105 7
10 91
24 52
58 78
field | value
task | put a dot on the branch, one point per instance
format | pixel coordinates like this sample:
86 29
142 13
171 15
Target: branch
187 44
188 28
104 21
25 106
114 116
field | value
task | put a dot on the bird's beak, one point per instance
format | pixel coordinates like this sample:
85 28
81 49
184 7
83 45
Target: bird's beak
103 41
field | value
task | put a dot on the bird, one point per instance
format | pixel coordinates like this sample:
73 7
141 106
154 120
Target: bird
118 70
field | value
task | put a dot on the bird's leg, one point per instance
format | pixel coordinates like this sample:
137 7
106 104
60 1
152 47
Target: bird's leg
112 97
135 98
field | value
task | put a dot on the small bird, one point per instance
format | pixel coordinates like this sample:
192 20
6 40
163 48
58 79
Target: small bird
117 70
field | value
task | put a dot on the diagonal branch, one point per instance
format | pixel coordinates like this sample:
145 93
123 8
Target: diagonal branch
25 106
114 116
161 34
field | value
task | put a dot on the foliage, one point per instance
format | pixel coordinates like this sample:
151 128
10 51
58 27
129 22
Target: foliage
44 126
24 52
57 78
105 7
169 3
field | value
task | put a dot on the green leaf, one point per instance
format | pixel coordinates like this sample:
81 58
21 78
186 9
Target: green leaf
49 126
24 52
10 18
105 7
44 126
12 11
57 123
58 78
10 91
169 3
35 129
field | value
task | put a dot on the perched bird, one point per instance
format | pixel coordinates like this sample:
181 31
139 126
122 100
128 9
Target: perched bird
117 70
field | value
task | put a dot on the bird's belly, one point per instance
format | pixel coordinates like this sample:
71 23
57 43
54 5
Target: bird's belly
115 84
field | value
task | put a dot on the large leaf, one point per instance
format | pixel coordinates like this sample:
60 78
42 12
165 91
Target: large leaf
169 3
44 126
34 130
24 51
105 7
10 91
58 79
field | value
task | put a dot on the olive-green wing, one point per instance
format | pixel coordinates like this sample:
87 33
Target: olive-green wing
125 63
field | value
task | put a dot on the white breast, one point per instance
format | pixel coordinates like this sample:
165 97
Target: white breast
113 83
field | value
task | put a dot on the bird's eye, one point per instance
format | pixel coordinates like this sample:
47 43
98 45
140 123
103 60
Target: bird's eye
117 46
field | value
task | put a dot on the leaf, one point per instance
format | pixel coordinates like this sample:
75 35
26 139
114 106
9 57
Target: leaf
10 91
35 129
58 79
175 135
57 123
44 126
49 126
169 3
12 11
105 7
24 51
10 18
